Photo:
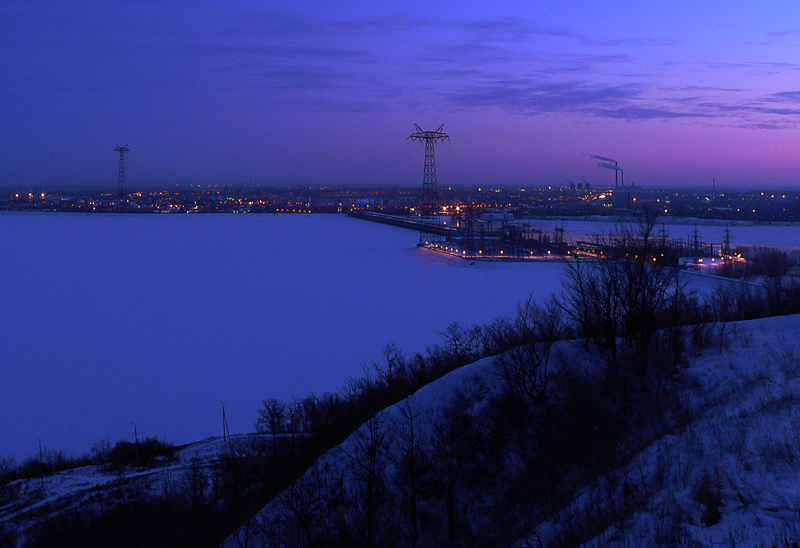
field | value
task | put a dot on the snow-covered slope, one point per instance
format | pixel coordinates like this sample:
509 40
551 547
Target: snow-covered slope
729 474
427 405
730 477
29 500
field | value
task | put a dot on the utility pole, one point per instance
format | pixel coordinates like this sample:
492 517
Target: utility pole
136 440
41 462
226 433
430 191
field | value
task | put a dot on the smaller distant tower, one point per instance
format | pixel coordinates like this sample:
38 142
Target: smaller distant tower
726 244
122 192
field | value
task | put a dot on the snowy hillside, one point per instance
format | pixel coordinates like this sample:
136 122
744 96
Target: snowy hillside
730 477
23 503
426 406
726 472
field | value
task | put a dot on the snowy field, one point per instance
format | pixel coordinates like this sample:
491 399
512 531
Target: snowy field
109 320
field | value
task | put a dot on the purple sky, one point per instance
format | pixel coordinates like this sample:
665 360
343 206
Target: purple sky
314 93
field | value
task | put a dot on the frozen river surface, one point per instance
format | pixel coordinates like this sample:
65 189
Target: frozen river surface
109 320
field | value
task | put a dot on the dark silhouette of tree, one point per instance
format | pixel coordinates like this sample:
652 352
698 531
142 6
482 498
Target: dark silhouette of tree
623 295
405 455
365 475
523 367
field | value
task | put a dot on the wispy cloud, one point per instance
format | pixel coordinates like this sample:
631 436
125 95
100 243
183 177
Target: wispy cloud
772 38
754 68
777 124
647 113
531 97
785 96
508 64
301 79
703 88
366 63
626 42
785 32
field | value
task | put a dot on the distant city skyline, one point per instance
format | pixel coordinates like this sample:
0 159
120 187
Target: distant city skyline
310 93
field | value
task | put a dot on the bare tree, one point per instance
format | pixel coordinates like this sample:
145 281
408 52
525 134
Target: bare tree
310 507
646 280
405 455
496 336
590 302
454 448
393 367
524 366
195 485
461 345
272 417
623 293
366 464
724 304
8 473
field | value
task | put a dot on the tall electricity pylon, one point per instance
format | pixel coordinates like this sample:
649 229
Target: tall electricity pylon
430 191
122 193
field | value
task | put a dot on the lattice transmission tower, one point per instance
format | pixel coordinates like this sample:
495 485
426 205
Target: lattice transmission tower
430 191
122 192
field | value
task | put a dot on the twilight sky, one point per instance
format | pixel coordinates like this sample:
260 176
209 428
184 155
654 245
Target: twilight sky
314 93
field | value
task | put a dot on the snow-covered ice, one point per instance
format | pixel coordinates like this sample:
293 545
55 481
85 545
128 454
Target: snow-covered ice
113 319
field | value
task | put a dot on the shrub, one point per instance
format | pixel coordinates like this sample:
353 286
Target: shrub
708 492
126 452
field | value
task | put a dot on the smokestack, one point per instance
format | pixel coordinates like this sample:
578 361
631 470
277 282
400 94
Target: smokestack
622 178
616 169
713 184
